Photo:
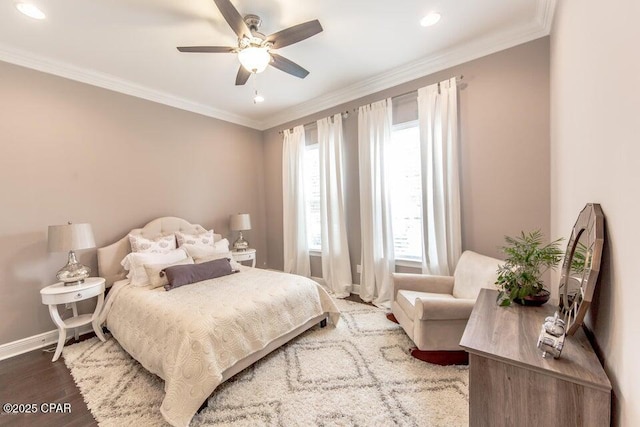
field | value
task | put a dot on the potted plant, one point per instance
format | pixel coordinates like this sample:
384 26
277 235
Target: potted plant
527 259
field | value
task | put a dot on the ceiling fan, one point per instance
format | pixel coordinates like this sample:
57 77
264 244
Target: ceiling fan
255 50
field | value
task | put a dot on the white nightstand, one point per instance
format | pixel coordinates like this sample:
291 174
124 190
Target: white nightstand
246 255
60 294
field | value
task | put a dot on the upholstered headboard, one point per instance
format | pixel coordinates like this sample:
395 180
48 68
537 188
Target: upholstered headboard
109 257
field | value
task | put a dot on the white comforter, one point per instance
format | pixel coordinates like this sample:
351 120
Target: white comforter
190 335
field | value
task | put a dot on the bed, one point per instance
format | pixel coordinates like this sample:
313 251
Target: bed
198 336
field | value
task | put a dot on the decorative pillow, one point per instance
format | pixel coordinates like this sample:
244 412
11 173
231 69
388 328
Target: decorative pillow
159 245
202 254
135 261
222 255
154 272
199 251
180 275
202 239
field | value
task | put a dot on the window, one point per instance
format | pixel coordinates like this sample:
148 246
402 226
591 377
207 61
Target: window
312 196
404 170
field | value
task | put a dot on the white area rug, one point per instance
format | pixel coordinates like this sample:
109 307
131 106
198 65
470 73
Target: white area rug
357 374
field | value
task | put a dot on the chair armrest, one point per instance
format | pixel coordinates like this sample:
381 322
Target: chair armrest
422 283
444 309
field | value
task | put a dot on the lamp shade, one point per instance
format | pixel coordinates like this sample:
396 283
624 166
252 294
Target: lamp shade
240 222
254 59
70 237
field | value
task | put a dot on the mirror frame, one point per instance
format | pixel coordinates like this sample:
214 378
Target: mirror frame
590 221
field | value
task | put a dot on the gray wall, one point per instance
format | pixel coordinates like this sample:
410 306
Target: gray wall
74 152
595 102
504 116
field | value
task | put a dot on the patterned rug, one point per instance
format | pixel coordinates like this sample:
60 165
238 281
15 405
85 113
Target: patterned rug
356 374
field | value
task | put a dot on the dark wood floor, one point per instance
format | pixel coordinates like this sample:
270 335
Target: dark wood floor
33 378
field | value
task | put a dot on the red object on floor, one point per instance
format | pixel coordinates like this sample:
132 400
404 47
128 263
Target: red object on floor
391 317
441 357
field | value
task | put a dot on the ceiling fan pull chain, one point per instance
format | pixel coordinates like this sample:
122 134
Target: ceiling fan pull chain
257 98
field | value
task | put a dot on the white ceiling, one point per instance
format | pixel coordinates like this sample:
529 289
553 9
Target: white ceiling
366 45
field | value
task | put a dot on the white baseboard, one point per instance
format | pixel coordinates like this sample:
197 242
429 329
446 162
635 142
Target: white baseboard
35 342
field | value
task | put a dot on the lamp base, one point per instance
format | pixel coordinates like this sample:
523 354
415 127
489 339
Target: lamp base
73 273
240 244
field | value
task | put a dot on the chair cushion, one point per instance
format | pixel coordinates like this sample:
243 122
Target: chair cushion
474 272
407 300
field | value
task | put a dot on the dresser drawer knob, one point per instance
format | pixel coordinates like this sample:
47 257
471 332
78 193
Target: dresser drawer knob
78 295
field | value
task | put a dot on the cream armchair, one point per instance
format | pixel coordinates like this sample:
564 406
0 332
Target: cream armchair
433 310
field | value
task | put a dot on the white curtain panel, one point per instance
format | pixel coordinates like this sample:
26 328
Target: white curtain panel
438 121
296 249
336 265
378 260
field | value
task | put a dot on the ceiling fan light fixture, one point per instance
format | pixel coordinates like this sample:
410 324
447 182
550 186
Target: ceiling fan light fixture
430 19
254 59
31 10
258 98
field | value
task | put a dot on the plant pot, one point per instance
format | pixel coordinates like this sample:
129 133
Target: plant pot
534 300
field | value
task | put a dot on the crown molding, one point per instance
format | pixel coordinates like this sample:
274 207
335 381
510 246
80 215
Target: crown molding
106 81
545 11
539 27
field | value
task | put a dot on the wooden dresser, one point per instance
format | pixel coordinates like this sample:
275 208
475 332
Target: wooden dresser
510 384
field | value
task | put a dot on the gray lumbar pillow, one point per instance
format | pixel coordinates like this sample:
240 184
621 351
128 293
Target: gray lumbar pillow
154 272
180 275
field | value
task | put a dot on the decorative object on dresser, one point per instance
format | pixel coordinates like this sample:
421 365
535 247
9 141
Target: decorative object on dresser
511 385
580 271
62 293
240 222
433 310
248 254
520 277
71 237
581 266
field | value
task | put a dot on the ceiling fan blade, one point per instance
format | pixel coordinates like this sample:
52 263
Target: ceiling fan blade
243 76
283 64
207 49
295 34
233 18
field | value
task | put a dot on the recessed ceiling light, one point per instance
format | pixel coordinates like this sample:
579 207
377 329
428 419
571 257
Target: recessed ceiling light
31 10
430 19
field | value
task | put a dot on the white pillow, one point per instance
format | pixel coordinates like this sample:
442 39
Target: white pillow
199 251
219 250
235 265
201 239
159 245
153 272
135 261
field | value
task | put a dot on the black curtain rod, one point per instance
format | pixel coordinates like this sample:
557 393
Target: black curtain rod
458 80
345 114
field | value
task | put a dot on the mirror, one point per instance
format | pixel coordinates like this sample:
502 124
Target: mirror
581 266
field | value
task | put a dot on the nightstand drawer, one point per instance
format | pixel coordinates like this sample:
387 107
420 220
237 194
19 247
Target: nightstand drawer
72 295
239 256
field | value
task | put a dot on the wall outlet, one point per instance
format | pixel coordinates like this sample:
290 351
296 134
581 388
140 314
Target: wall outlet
358 268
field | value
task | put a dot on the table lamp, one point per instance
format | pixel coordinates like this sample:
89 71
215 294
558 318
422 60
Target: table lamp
240 222
71 237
